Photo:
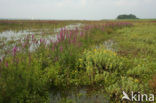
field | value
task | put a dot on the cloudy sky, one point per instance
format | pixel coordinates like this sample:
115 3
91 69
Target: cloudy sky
76 9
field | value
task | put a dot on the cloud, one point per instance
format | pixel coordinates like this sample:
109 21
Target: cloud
126 3
75 9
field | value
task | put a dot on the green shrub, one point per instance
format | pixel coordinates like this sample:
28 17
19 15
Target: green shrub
126 84
23 82
99 60
101 66
139 71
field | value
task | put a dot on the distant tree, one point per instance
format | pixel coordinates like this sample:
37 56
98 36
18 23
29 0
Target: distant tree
124 16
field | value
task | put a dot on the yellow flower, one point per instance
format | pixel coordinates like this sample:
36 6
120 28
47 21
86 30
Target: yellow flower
80 59
114 54
136 80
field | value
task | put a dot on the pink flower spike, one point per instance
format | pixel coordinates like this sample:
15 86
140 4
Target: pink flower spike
32 36
6 64
81 34
14 50
61 48
40 40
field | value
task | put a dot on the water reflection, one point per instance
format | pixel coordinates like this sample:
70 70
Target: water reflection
13 35
9 38
82 95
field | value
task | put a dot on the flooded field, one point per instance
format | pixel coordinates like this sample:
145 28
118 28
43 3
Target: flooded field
10 38
76 61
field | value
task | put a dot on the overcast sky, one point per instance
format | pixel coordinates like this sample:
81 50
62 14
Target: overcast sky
76 9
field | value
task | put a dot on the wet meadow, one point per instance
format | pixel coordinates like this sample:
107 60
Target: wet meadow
76 61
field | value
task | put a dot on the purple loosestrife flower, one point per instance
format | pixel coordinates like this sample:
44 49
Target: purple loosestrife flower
70 34
81 34
74 39
61 32
32 36
53 47
41 41
61 48
62 35
86 27
14 50
6 64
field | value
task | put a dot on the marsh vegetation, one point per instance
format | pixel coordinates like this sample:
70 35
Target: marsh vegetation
76 61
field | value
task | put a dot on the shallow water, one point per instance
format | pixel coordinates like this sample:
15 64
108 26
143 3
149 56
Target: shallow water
109 45
9 38
70 27
13 35
81 95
